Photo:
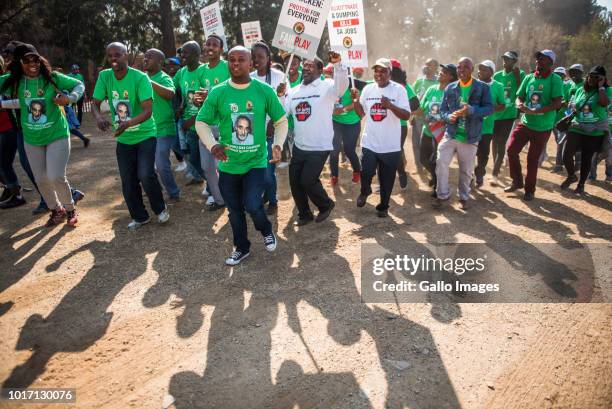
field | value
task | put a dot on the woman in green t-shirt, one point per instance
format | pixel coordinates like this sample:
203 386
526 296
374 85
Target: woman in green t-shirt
36 92
589 127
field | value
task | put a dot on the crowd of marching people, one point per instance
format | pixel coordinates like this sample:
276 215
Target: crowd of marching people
231 122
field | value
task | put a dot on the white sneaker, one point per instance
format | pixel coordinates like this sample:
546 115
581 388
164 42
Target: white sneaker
236 257
205 193
164 216
270 242
181 167
282 165
210 201
134 225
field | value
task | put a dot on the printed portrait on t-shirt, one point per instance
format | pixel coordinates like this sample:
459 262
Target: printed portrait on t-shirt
36 109
507 98
434 112
190 97
587 113
122 111
535 101
242 133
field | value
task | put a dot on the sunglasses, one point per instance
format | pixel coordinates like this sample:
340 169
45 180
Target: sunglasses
30 60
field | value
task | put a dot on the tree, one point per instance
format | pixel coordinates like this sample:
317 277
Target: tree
593 45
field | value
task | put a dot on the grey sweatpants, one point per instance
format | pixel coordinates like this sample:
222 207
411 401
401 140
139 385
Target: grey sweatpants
48 165
466 154
211 172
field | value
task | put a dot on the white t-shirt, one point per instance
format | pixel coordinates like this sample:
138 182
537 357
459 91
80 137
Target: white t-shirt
312 107
383 130
276 77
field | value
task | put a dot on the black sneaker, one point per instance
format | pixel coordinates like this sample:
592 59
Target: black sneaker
568 182
528 197
6 195
215 206
325 213
479 181
403 181
86 142
270 242
236 258
579 189
302 221
513 188
382 213
361 200
42 208
13 201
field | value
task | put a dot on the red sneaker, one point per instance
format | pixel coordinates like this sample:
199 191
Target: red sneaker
56 217
356 177
333 181
72 217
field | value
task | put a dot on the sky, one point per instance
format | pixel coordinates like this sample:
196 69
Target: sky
606 3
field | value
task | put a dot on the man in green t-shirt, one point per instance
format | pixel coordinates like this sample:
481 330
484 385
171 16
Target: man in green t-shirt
130 97
240 107
511 77
422 84
560 136
538 98
163 113
576 73
75 72
486 69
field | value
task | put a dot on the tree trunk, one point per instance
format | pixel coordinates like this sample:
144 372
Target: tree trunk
168 41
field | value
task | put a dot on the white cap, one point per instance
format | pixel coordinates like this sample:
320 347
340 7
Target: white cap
577 67
549 53
560 70
488 63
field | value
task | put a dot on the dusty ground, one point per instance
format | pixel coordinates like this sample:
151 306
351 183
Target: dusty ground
154 319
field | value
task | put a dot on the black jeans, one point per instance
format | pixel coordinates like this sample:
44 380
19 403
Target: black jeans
501 133
401 166
345 136
588 145
428 154
8 150
136 167
386 164
304 172
80 109
484 149
243 193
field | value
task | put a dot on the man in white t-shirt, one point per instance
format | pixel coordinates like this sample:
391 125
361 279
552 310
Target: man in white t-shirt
312 104
384 103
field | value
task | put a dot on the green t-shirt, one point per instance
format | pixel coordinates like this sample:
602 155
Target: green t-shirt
590 113
188 82
125 97
508 81
411 94
430 105
421 85
77 76
537 93
294 84
349 117
461 134
215 76
241 114
567 86
575 87
163 112
42 121
497 97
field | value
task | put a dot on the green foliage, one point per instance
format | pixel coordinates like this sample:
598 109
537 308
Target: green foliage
593 45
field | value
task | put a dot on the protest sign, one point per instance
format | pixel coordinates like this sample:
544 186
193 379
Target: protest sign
211 20
251 33
347 35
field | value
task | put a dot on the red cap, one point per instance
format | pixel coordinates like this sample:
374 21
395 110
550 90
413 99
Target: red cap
395 63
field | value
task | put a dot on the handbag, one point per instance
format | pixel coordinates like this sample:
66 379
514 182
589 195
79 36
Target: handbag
564 123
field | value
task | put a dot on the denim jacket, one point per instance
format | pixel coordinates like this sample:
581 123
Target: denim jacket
480 106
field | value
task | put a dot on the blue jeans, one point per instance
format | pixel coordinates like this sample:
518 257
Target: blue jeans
136 168
164 168
243 193
193 145
270 191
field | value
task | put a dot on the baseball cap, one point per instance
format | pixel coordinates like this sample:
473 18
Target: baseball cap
383 62
23 50
560 70
450 67
513 55
488 63
577 67
173 60
357 70
598 70
75 67
548 53
395 63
